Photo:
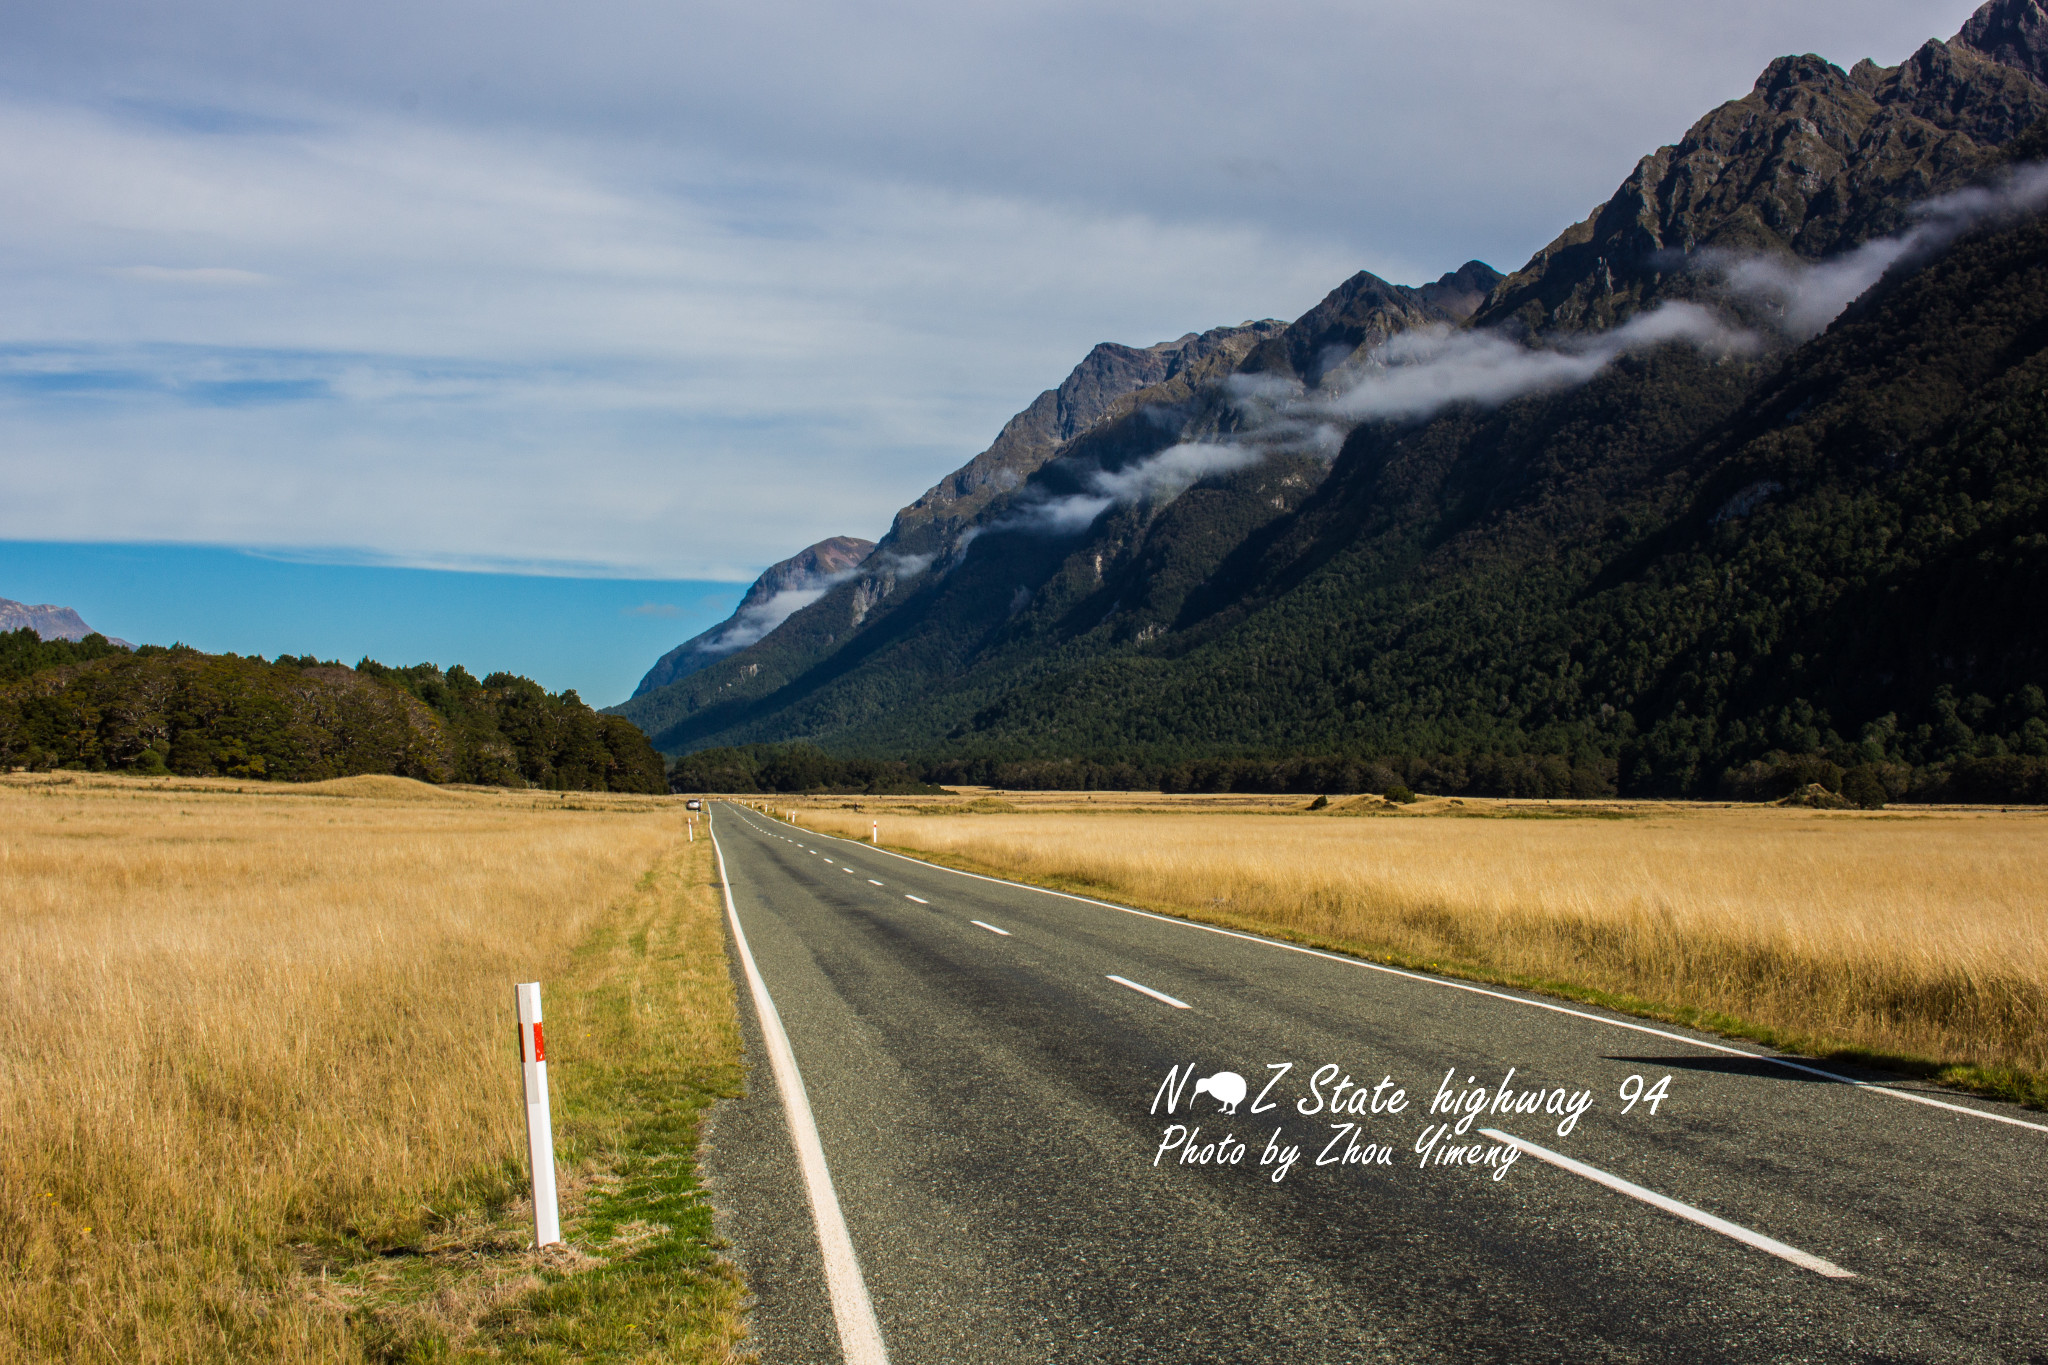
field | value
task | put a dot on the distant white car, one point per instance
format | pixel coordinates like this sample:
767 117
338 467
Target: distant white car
693 804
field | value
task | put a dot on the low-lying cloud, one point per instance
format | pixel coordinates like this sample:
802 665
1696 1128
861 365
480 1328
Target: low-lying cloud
753 623
1420 372
1805 297
1157 478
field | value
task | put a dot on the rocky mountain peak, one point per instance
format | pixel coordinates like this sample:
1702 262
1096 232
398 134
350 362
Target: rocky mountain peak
2011 32
1459 293
808 568
48 621
1794 76
1363 313
1812 161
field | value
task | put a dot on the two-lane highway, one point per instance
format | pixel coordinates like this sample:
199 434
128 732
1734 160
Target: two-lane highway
985 1066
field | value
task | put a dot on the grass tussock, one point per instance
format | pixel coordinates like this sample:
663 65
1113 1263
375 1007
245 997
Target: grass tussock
260 1096
1922 940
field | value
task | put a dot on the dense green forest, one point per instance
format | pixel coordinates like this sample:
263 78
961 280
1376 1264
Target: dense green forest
794 768
763 768
156 710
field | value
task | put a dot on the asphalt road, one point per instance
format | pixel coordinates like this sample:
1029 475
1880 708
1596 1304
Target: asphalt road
989 1106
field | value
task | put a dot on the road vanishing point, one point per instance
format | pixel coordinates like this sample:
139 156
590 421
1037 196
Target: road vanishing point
962 1148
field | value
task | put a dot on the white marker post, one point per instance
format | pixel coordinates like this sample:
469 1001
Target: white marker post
875 833
540 1128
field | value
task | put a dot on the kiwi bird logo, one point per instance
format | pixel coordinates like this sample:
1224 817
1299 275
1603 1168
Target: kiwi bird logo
1227 1086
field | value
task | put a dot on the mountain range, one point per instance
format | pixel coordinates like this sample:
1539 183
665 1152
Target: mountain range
1745 469
47 621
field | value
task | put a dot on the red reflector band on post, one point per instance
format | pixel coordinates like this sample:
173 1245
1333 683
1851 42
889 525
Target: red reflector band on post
540 1053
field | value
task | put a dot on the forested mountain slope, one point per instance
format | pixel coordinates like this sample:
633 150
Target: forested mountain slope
1693 541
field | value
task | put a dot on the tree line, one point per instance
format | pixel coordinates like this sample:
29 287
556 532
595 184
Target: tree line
162 710
801 767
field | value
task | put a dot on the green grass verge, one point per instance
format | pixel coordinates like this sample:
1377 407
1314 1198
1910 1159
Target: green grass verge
642 1038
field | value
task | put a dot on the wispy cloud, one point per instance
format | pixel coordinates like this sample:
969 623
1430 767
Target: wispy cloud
204 275
593 351
1423 371
1803 297
1156 478
751 623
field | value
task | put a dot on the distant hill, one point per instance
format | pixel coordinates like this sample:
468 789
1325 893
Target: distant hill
157 711
1743 477
49 622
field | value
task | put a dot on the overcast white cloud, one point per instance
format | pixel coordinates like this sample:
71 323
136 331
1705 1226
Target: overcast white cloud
667 288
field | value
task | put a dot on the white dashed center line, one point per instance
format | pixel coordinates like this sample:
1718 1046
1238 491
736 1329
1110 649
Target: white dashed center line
873 882
991 928
1147 990
919 899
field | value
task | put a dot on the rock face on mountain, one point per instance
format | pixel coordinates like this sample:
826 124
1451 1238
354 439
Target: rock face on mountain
1811 161
1361 314
2013 32
1109 374
1667 562
786 587
50 622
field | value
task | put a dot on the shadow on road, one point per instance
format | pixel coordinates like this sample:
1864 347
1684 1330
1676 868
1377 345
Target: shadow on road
1738 1066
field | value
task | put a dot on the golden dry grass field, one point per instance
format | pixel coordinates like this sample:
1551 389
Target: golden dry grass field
1919 935
258 1056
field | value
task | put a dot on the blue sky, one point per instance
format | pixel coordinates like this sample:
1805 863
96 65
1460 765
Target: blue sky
651 290
596 635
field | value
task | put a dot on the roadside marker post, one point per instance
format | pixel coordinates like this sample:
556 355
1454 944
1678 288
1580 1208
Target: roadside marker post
540 1128
875 833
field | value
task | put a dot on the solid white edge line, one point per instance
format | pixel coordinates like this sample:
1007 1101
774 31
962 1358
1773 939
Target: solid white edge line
991 928
1146 990
1803 1259
860 1334
1868 1087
